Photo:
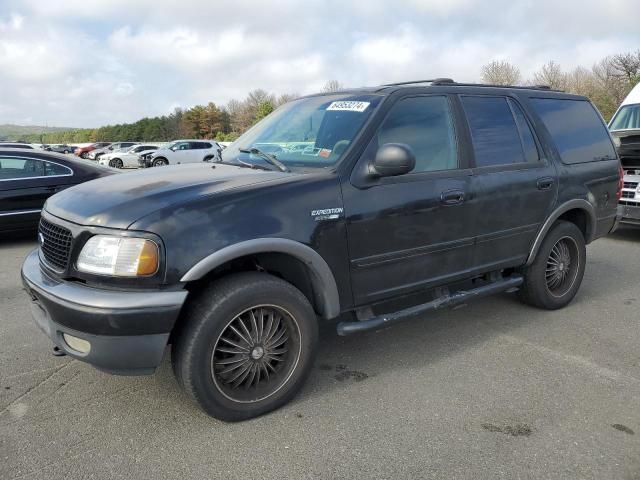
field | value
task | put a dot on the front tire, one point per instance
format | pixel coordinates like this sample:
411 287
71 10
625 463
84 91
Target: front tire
84 155
246 346
160 162
117 163
555 276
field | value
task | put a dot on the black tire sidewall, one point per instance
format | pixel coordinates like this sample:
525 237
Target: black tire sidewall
159 162
535 276
258 289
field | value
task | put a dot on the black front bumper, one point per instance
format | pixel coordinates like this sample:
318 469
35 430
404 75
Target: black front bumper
128 331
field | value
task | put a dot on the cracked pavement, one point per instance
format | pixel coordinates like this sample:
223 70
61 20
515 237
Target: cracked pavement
494 390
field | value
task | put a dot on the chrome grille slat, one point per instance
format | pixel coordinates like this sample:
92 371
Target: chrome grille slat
55 244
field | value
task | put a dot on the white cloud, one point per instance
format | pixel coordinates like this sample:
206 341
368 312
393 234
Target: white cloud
85 63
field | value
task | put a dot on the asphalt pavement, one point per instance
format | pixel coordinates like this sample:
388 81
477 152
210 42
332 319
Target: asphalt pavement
496 390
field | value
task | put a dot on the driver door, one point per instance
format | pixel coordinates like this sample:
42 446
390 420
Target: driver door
182 153
415 230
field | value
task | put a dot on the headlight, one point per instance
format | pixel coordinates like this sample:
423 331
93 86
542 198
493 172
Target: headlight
119 256
616 140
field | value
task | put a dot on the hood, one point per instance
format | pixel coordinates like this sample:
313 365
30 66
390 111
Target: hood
119 200
164 150
628 132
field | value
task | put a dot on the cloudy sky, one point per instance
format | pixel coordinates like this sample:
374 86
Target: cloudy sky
86 63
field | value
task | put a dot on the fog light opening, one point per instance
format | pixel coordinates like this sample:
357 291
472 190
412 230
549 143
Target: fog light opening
77 344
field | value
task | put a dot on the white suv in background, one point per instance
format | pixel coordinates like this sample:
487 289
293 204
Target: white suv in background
126 158
185 151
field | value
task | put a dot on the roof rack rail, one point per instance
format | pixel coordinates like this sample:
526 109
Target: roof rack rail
433 81
449 81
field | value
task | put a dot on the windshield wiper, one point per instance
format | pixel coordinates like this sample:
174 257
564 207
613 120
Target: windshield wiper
243 164
266 156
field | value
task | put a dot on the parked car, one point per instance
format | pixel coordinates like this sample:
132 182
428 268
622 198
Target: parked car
95 154
23 146
625 128
83 152
406 199
29 177
61 148
126 158
185 151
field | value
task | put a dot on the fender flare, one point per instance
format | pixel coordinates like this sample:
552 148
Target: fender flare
322 279
574 204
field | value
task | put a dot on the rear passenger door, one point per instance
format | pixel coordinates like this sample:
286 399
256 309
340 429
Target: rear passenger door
515 185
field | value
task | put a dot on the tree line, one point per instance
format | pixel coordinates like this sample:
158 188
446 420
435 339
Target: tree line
606 83
218 122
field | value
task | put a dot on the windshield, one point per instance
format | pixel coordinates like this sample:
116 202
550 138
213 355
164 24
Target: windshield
309 132
627 118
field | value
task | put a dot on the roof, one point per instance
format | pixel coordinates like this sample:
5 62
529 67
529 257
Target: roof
633 97
437 82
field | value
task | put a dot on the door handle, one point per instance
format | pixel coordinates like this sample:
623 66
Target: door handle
452 197
545 183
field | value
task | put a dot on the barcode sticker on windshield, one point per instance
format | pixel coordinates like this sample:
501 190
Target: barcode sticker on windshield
349 106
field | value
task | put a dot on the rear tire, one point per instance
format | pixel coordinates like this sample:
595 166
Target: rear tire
84 155
246 346
555 276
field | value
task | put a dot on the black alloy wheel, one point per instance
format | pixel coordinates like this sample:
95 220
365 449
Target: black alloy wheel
562 266
256 353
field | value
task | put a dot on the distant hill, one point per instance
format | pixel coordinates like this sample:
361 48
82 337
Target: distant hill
16 132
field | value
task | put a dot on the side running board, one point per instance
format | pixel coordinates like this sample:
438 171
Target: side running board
445 301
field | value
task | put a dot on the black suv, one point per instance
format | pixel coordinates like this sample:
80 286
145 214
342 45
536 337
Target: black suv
425 194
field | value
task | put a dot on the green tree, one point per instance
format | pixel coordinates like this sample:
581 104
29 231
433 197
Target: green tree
264 108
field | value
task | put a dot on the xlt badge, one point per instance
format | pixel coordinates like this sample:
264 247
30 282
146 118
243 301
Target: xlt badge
327 213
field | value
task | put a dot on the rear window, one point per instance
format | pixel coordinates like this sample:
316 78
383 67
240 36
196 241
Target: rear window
576 129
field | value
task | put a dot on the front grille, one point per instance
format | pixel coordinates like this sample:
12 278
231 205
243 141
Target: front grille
55 244
628 195
633 185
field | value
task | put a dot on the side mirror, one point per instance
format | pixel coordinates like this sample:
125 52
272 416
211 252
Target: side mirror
393 159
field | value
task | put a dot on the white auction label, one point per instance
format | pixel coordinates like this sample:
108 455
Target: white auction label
349 106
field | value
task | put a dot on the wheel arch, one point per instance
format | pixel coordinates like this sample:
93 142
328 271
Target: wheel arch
321 289
577 211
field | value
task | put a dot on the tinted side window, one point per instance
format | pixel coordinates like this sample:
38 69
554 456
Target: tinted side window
55 169
576 128
426 125
16 168
528 142
495 136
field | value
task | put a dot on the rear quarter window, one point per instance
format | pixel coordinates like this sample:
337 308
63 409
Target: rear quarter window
576 128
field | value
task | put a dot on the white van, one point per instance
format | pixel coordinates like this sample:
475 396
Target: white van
625 129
